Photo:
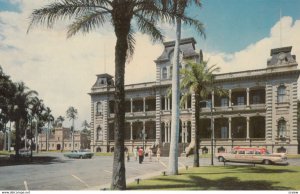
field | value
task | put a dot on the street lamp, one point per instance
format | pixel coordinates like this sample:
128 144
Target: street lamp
212 130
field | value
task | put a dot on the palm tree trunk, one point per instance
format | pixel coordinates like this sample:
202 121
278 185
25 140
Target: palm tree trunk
197 121
18 138
118 177
173 157
9 137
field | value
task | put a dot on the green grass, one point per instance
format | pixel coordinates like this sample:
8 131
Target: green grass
5 152
104 154
259 177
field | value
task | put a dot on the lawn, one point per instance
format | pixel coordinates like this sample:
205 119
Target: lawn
259 177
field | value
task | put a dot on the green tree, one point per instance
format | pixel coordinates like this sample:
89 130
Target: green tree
20 107
72 115
59 121
86 15
198 80
178 6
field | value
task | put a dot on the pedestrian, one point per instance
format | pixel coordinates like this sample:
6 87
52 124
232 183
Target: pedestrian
127 155
135 149
141 154
158 154
150 154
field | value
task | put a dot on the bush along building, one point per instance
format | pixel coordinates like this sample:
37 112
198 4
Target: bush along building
260 108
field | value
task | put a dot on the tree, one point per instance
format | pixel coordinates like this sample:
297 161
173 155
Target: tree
86 15
59 121
20 107
85 125
178 6
72 115
198 79
48 117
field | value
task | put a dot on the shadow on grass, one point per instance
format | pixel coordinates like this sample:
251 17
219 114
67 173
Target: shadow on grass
199 183
194 180
6 161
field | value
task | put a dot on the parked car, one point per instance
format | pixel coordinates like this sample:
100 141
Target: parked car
22 153
252 155
79 154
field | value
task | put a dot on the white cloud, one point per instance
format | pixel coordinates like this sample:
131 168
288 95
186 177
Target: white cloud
63 70
255 56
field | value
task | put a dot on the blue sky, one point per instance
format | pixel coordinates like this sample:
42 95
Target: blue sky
232 25
240 34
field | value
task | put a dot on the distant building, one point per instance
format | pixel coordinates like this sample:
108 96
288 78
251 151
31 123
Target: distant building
61 139
260 109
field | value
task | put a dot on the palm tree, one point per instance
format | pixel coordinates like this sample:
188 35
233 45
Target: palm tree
49 119
59 121
178 6
21 102
87 15
85 125
198 79
72 115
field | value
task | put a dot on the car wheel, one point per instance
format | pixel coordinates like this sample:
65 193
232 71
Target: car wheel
267 162
221 159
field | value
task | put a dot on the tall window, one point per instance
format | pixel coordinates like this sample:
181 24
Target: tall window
256 99
281 94
164 73
240 100
223 132
99 110
281 128
224 102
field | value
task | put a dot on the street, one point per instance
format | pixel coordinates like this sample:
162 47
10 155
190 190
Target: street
62 173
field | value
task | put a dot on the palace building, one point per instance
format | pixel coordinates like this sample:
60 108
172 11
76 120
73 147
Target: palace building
259 110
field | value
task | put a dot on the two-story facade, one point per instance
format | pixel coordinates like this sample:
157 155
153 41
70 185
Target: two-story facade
259 110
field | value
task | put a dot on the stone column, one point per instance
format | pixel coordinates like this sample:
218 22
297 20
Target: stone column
183 132
229 128
131 131
166 132
212 99
169 132
248 121
169 104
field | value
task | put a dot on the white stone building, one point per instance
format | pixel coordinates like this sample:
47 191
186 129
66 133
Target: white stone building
260 109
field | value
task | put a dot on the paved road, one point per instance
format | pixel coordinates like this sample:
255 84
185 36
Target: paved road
78 174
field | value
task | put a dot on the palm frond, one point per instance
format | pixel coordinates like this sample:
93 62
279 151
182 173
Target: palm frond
147 26
131 44
88 22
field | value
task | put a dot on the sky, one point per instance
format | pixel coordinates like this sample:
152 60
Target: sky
239 36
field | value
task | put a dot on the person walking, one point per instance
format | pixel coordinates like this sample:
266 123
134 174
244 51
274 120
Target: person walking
135 149
158 154
141 154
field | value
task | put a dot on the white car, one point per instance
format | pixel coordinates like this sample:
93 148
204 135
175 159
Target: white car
252 155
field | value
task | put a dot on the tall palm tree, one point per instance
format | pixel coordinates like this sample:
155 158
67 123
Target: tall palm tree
87 15
198 79
178 6
21 102
72 115
49 118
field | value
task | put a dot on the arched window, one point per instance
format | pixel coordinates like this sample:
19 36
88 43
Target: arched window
281 128
281 92
99 109
99 134
164 73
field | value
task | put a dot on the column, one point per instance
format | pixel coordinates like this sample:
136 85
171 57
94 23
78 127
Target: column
186 104
248 121
248 96
229 127
212 99
183 132
169 132
166 103
229 96
131 105
169 104
131 131
166 132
